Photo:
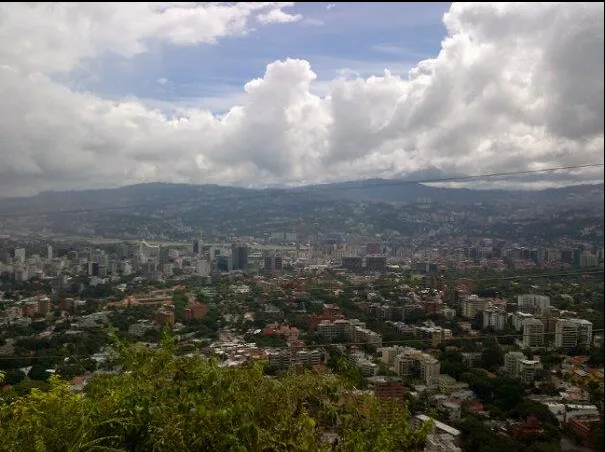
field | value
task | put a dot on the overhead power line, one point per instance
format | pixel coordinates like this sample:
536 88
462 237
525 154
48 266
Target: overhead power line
308 190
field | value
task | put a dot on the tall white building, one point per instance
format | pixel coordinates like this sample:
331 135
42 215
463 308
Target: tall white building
471 305
528 369
147 251
415 364
49 252
584 331
588 260
533 304
533 333
430 368
569 333
566 334
518 318
494 318
20 255
511 362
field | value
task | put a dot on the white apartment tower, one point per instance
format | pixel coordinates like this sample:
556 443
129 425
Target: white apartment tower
533 304
528 370
584 331
511 362
471 305
566 334
569 333
533 333
494 318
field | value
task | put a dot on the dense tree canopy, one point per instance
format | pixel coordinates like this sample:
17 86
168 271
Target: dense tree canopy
165 403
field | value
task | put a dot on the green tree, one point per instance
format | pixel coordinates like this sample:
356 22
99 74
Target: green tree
164 402
180 301
39 373
492 355
14 376
596 357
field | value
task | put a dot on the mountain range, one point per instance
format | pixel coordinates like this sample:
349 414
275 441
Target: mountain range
394 208
369 191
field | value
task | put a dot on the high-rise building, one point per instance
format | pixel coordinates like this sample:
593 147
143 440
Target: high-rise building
429 369
20 255
518 318
584 331
49 252
376 264
566 334
588 260
124 251
93 269
273 262
164 255
147 251
239 254
527 370
415 364
278 263
224 263
533 333
533 304
511 362
195 248
471 305
494 318
353 263
268 263
44 305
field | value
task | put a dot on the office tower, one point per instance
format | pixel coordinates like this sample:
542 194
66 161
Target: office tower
239 254
376 264
268 263
93 269
224 263
195 247
273 262
278 263
49 252
353 263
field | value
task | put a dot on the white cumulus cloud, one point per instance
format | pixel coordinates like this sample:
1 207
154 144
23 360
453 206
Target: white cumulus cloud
514 87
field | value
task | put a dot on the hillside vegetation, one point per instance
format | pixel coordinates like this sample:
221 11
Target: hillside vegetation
160 402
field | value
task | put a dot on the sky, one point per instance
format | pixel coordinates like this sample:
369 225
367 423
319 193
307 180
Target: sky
260 94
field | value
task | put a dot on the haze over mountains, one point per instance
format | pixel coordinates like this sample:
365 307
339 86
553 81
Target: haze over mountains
372 190
390 208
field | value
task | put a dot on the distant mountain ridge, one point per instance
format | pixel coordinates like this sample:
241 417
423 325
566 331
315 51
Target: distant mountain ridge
370 190
166 211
